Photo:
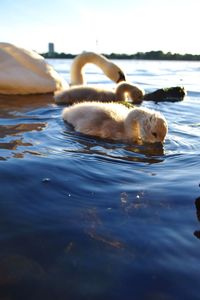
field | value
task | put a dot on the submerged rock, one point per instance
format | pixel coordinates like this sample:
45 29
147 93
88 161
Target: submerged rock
15 269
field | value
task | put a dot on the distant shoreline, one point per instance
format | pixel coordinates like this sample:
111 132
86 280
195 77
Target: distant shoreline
152 55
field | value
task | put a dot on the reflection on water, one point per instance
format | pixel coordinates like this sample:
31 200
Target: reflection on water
85 218
17 107
19 129
12 145
8 143
150 153
12 104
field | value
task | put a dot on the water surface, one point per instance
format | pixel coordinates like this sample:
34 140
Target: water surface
85 218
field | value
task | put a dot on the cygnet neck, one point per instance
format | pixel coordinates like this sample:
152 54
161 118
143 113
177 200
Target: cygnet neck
132 124
121 90
135 93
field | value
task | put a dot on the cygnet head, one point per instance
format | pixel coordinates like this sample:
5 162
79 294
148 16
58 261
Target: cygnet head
136 94
153 128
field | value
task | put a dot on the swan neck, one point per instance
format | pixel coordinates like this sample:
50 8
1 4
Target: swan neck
77 76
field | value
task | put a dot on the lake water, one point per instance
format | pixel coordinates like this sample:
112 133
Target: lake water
84 218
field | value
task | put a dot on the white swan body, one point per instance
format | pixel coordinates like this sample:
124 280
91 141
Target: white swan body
117 122
26 72
110 69
89 93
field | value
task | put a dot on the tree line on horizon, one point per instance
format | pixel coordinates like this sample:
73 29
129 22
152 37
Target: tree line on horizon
151 55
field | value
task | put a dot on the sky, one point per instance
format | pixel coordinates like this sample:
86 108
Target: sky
104 26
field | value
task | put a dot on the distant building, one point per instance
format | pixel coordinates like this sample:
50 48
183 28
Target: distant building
51 49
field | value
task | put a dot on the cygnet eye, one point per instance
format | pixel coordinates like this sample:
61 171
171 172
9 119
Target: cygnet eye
154 134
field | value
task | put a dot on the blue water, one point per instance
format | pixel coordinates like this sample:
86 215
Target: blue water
85 218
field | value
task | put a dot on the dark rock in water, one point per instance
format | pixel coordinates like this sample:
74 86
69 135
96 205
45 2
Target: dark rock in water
197 204
197 234
171 94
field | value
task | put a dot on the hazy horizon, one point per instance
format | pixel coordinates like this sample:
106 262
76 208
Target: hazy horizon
128 26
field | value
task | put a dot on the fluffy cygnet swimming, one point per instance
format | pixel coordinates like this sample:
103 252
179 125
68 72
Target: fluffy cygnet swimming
117 122
86 93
